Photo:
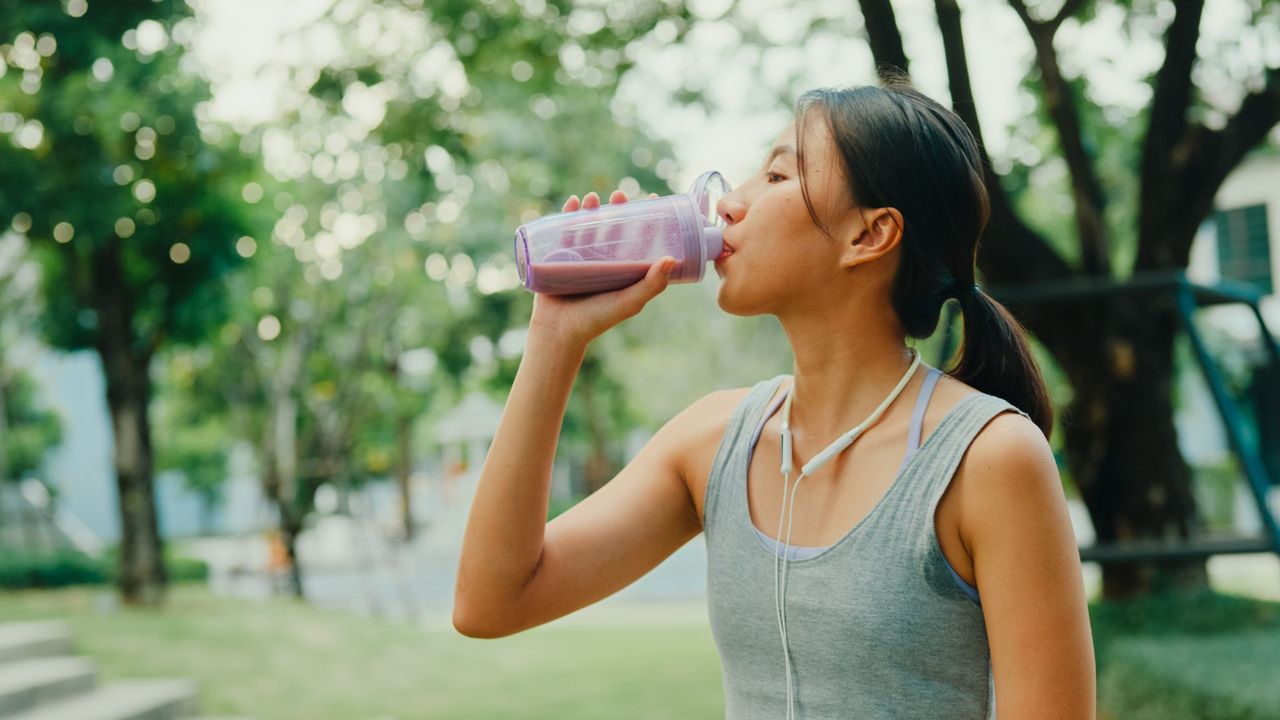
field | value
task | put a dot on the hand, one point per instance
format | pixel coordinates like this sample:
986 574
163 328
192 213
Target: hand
582 318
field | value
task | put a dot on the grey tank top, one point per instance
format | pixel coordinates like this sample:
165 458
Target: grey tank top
876 624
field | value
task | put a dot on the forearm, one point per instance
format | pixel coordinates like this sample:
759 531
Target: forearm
503 540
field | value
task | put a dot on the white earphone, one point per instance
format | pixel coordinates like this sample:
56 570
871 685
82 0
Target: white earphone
808 469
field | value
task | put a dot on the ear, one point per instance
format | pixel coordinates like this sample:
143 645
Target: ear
875 233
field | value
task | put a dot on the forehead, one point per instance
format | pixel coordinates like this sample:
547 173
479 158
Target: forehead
812 134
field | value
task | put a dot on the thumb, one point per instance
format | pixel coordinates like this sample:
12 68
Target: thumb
655 281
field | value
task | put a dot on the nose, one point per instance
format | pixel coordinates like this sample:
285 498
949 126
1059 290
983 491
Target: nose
731 207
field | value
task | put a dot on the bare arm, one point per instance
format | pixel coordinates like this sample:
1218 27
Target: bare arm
504 543
1028 571
503 539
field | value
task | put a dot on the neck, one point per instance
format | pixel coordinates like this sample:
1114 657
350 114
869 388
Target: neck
840 379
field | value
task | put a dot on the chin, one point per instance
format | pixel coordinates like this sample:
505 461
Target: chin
732 305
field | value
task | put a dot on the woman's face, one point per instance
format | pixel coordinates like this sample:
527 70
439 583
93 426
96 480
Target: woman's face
778 253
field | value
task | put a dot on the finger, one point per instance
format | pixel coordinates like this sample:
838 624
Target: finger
633 299
592 200
571 204
617 196
653 195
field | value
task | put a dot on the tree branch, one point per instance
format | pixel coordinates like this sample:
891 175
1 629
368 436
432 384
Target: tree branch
1248 128
883 35
1069 8
1203 159
1167 120
1085 187
1013 251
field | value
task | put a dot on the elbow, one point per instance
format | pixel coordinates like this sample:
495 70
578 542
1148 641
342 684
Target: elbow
477 614
472 629
481 626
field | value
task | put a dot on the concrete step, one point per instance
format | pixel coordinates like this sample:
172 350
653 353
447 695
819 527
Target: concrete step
23 641
24 684
123 700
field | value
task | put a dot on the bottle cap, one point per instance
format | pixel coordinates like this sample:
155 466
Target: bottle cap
706 193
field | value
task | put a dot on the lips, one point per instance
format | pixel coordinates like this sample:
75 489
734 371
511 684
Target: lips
726 252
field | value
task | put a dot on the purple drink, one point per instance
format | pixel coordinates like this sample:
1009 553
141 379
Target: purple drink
612 246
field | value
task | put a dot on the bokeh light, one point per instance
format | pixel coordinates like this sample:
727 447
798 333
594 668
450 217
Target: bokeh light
63 232
144 190
269 327
246 247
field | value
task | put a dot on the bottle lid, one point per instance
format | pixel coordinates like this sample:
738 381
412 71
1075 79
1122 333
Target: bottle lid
706 192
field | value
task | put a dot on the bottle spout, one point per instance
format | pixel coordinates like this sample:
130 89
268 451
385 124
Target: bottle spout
712 242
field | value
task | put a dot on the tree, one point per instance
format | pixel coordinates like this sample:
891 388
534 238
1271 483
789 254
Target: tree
466 111
131 209
191 431
1119 435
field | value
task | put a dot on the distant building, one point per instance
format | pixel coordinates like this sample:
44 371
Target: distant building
1241 239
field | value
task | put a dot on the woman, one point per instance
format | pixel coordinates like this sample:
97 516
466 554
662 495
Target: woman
927 567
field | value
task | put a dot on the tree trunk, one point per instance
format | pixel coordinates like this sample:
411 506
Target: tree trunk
404 473
142 575
279 459
1122 445
289 531
126 365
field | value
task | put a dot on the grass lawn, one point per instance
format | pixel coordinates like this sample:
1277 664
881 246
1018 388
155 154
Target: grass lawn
1202 657
283 661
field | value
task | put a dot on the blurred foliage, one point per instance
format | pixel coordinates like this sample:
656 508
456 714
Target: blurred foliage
1200 613
30 430
27 430
107 172
62 568
20 571
188 437
417 155
1224 677
1198 655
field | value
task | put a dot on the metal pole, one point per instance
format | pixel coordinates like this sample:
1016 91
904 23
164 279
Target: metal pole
1254 472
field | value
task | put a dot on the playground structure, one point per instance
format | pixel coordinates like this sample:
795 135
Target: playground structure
1259 459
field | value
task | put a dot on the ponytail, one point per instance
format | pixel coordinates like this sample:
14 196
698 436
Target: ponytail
995 358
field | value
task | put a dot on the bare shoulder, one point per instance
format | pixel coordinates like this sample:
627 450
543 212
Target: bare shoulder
695 434
1010 444
1008 473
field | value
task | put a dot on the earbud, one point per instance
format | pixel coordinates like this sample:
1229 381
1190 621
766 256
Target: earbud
786 436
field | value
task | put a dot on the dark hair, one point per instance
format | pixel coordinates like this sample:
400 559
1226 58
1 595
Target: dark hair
903 150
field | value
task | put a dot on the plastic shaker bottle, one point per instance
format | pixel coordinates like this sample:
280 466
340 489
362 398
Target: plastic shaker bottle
612 246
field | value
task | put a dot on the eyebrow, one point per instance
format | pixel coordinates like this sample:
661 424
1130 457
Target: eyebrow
779 150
